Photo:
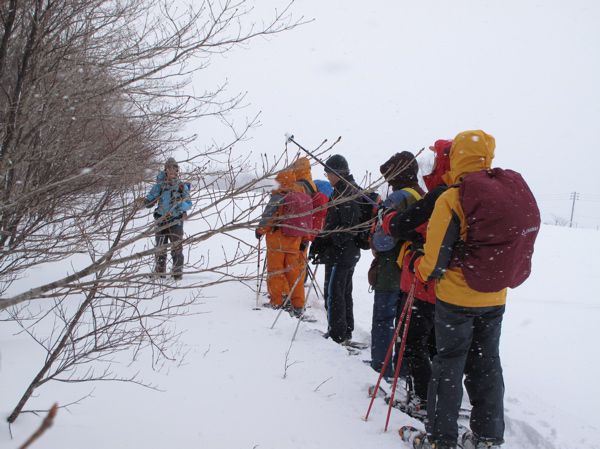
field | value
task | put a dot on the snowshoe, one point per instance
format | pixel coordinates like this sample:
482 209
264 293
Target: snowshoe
381 393
270 305
415 437
354 344
300 313
468 440
413 407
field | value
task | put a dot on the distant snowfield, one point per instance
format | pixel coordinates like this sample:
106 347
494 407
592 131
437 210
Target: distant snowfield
230 392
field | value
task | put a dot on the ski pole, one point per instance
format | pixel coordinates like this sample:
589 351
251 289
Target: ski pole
288 296
388 354
258 276
409 303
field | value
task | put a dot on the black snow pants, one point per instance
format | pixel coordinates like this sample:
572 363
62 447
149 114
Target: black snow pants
467 340
417 352
339 304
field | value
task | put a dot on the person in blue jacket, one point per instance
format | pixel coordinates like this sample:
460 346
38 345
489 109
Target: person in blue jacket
172 199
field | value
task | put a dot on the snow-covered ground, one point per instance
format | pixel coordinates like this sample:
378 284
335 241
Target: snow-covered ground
231 392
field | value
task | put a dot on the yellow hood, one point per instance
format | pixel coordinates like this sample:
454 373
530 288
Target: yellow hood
471 151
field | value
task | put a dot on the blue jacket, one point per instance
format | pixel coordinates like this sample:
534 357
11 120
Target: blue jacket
171 197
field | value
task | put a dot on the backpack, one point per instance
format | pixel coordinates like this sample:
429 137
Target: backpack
380 241
503 221
296 215
319 213
368 212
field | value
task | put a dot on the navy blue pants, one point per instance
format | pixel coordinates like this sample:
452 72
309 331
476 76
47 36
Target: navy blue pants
467 340
385 304
339 303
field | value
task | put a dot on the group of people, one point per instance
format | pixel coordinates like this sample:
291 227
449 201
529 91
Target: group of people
450 252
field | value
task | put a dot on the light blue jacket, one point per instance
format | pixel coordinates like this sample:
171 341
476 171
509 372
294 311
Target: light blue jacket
170 197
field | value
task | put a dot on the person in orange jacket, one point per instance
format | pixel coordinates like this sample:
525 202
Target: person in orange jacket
285 261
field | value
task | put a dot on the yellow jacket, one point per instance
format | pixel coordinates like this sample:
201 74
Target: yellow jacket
471 151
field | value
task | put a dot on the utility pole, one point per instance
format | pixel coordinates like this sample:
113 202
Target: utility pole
574 197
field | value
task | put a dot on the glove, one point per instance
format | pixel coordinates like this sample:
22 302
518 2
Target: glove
303 245
258 234
313 253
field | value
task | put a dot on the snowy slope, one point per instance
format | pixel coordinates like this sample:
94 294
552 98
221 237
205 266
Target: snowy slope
230 392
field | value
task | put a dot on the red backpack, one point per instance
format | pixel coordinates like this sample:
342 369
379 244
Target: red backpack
296 215
503 221
319 200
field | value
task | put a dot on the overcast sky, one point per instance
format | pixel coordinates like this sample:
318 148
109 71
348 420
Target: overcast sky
390 76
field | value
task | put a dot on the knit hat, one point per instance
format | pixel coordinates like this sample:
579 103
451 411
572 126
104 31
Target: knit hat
171 162
400 170
337 164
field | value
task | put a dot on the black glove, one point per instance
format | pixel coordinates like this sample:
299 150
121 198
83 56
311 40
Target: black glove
257 234
313 252
303 245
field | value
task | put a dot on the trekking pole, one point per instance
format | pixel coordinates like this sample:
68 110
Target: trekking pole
390 349
304 308
290 138
311 275
409 303
262 274
258 276
287 298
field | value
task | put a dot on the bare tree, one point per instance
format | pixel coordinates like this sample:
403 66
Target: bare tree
94 94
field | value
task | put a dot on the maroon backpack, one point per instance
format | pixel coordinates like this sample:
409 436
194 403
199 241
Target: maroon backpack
503 221
296 216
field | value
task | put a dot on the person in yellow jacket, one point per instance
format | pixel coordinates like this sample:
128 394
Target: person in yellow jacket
467 322
285 261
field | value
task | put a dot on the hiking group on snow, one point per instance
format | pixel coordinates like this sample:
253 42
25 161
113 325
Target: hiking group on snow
442 263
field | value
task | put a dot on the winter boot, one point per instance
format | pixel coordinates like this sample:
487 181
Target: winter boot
470 441
416 408
160 268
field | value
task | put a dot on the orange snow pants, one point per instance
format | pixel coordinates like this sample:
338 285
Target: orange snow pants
284 267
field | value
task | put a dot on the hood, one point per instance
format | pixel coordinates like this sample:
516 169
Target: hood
302 169
324 187
441 164
286 179
471 151
400 170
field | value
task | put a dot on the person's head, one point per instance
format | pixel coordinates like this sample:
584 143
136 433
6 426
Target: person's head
171 168
441 164
301 168
286 179
336 166
400 170
471 151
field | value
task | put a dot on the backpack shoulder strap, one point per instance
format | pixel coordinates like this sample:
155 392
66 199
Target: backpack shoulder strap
416 195
307 186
